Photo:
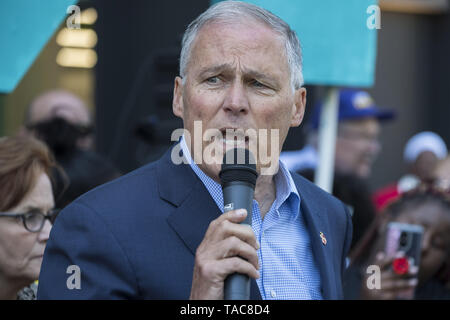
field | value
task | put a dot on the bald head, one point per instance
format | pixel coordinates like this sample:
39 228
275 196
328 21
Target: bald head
58 103
55 105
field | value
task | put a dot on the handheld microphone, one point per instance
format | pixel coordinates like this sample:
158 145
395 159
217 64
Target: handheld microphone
238 177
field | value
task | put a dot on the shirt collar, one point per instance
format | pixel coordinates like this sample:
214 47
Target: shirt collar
284 184
286 191
214 188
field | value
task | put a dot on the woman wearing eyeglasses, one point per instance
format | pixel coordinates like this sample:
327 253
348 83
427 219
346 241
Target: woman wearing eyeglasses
26 214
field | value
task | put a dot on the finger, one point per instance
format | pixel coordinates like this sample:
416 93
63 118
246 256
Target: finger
390 275
235 264
379 295
398 284
236 216
413 270
387 296
229 229
385 262
404 267
233 246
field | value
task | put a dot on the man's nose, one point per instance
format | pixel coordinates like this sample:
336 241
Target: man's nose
236 100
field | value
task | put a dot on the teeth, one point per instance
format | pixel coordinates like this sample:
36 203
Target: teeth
232 142
231 137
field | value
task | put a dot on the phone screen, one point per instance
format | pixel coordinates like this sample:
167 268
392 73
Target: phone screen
406 238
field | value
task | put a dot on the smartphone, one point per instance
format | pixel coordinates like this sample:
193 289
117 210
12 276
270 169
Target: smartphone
406 238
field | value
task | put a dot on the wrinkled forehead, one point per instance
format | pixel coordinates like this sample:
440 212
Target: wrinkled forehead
251 41
243 23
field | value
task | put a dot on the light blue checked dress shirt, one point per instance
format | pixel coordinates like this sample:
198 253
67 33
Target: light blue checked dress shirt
287 266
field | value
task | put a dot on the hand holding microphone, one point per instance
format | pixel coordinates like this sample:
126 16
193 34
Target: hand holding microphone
229 248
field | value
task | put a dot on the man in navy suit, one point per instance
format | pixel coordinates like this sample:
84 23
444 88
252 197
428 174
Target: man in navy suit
160 232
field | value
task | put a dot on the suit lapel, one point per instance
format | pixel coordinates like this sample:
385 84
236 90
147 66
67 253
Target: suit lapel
314 215
192 218
194 207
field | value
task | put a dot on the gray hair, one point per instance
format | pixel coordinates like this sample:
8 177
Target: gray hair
231 11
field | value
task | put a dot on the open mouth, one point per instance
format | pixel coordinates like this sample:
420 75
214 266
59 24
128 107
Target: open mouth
232 137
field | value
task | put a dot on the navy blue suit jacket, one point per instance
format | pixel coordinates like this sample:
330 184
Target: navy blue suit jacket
136 237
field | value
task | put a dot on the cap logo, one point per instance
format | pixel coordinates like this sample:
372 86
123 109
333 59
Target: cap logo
362 100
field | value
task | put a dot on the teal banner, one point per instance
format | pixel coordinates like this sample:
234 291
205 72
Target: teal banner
25 28
338 37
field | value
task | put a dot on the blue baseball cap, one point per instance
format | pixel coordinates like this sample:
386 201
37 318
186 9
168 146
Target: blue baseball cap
353 105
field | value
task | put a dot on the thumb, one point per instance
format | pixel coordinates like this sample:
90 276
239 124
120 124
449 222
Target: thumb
236 216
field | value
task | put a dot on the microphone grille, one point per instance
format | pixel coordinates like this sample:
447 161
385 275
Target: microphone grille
238 165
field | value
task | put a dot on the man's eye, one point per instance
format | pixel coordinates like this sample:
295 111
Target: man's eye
213 80
257 84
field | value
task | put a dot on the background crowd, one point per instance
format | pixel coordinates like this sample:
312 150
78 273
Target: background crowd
53 157
51 161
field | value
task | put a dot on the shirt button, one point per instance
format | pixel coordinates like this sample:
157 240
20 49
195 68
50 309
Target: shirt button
273 293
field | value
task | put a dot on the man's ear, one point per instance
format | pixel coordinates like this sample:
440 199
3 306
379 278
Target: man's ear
298 109
177 103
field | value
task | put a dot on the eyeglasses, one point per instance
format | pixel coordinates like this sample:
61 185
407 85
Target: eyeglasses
33 221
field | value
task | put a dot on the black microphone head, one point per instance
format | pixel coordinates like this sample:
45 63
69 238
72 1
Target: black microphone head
238 165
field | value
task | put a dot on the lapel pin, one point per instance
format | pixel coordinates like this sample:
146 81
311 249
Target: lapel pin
324 240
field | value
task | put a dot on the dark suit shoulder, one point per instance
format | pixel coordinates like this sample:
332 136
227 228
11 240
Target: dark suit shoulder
330 207
127 190
310 189
336 217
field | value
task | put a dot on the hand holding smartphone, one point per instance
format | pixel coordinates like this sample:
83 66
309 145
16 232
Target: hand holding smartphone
404 244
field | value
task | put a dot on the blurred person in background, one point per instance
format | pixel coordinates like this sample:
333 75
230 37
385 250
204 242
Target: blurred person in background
441 174
62 121
357 141
421 155
26 214
50 108
425 206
